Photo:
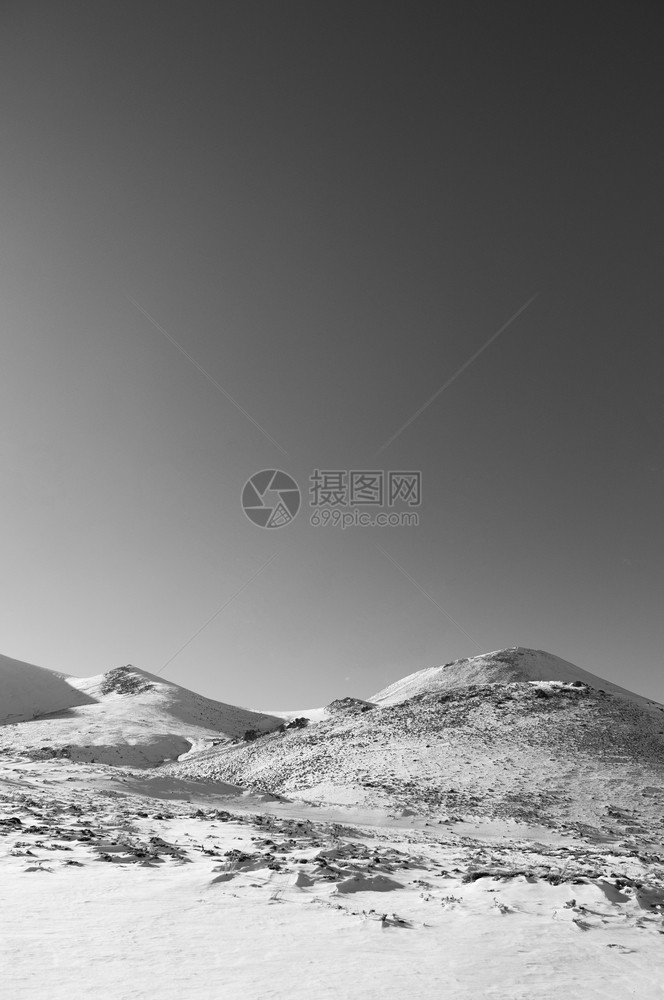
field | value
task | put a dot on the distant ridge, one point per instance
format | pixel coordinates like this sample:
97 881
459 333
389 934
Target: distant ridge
125 716
502 666
179 703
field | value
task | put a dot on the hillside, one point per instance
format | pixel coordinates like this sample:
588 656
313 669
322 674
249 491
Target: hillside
502 666
516 734
27 691
545 751
125 716
520 819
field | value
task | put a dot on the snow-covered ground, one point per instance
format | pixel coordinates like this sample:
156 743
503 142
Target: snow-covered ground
312 714
110 891
545 750
164 881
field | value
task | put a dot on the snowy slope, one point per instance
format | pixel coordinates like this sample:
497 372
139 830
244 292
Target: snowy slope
179 703
126 716
313 714
27 691
115 894
502 666
519 820
557 750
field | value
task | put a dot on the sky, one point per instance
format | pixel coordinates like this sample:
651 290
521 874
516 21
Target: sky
249 236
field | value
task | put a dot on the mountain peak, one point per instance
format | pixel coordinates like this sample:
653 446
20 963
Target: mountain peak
125 680
501 666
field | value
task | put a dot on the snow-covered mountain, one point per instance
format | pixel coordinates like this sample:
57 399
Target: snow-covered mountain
502 666
510 805
125 716
514 733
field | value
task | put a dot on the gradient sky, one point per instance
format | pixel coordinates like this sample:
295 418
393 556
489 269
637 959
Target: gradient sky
330 208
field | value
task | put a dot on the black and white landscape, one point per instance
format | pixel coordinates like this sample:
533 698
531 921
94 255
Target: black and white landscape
330 369
490 827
